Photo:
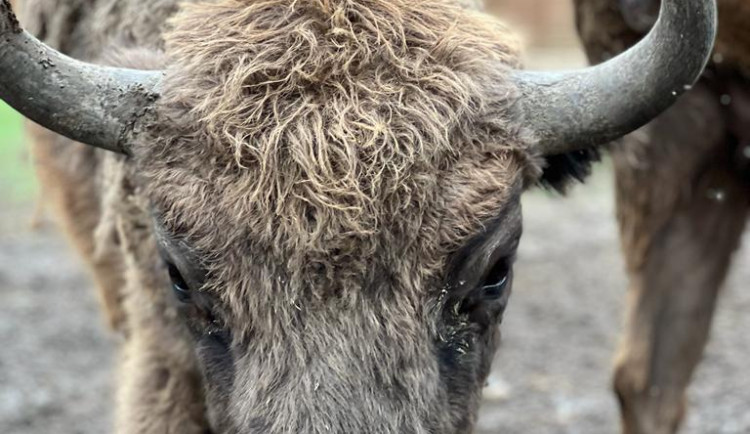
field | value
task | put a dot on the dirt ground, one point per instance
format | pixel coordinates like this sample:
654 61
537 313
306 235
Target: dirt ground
551 375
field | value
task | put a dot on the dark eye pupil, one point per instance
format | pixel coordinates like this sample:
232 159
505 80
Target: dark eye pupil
180 287
496 280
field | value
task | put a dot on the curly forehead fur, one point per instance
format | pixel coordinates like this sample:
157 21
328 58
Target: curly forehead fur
329 129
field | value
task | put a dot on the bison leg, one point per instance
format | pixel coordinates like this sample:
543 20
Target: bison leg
682 207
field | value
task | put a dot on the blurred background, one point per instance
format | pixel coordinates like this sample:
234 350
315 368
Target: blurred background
552 374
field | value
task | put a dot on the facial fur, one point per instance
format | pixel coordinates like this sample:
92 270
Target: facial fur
327 174
326 161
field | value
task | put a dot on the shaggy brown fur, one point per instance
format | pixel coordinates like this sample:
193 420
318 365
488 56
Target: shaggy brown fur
682 200
324 175
333 151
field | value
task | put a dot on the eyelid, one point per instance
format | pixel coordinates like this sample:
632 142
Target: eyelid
193 276
474 261
504 248
179 253
178 279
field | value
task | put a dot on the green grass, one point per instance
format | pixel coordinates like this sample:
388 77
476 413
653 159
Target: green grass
17 181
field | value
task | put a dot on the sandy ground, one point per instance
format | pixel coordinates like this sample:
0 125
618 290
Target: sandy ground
551 375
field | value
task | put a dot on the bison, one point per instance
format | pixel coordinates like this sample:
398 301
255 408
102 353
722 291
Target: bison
302 214
683 195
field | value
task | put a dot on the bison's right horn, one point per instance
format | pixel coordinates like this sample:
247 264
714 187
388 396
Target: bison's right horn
92 104
573 110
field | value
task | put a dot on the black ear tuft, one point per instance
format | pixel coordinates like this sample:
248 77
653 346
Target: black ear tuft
563 169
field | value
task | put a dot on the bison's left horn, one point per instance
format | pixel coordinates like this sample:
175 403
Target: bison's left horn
92 104
574 110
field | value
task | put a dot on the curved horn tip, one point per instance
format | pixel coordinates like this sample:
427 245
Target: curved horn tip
574 110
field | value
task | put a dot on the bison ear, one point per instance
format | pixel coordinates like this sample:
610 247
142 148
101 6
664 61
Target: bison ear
569 111
640 15
93 104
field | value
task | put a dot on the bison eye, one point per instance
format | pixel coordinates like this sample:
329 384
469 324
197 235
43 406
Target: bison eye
496 279
179 286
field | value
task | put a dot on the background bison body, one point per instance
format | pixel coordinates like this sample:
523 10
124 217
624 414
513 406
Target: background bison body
683 193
